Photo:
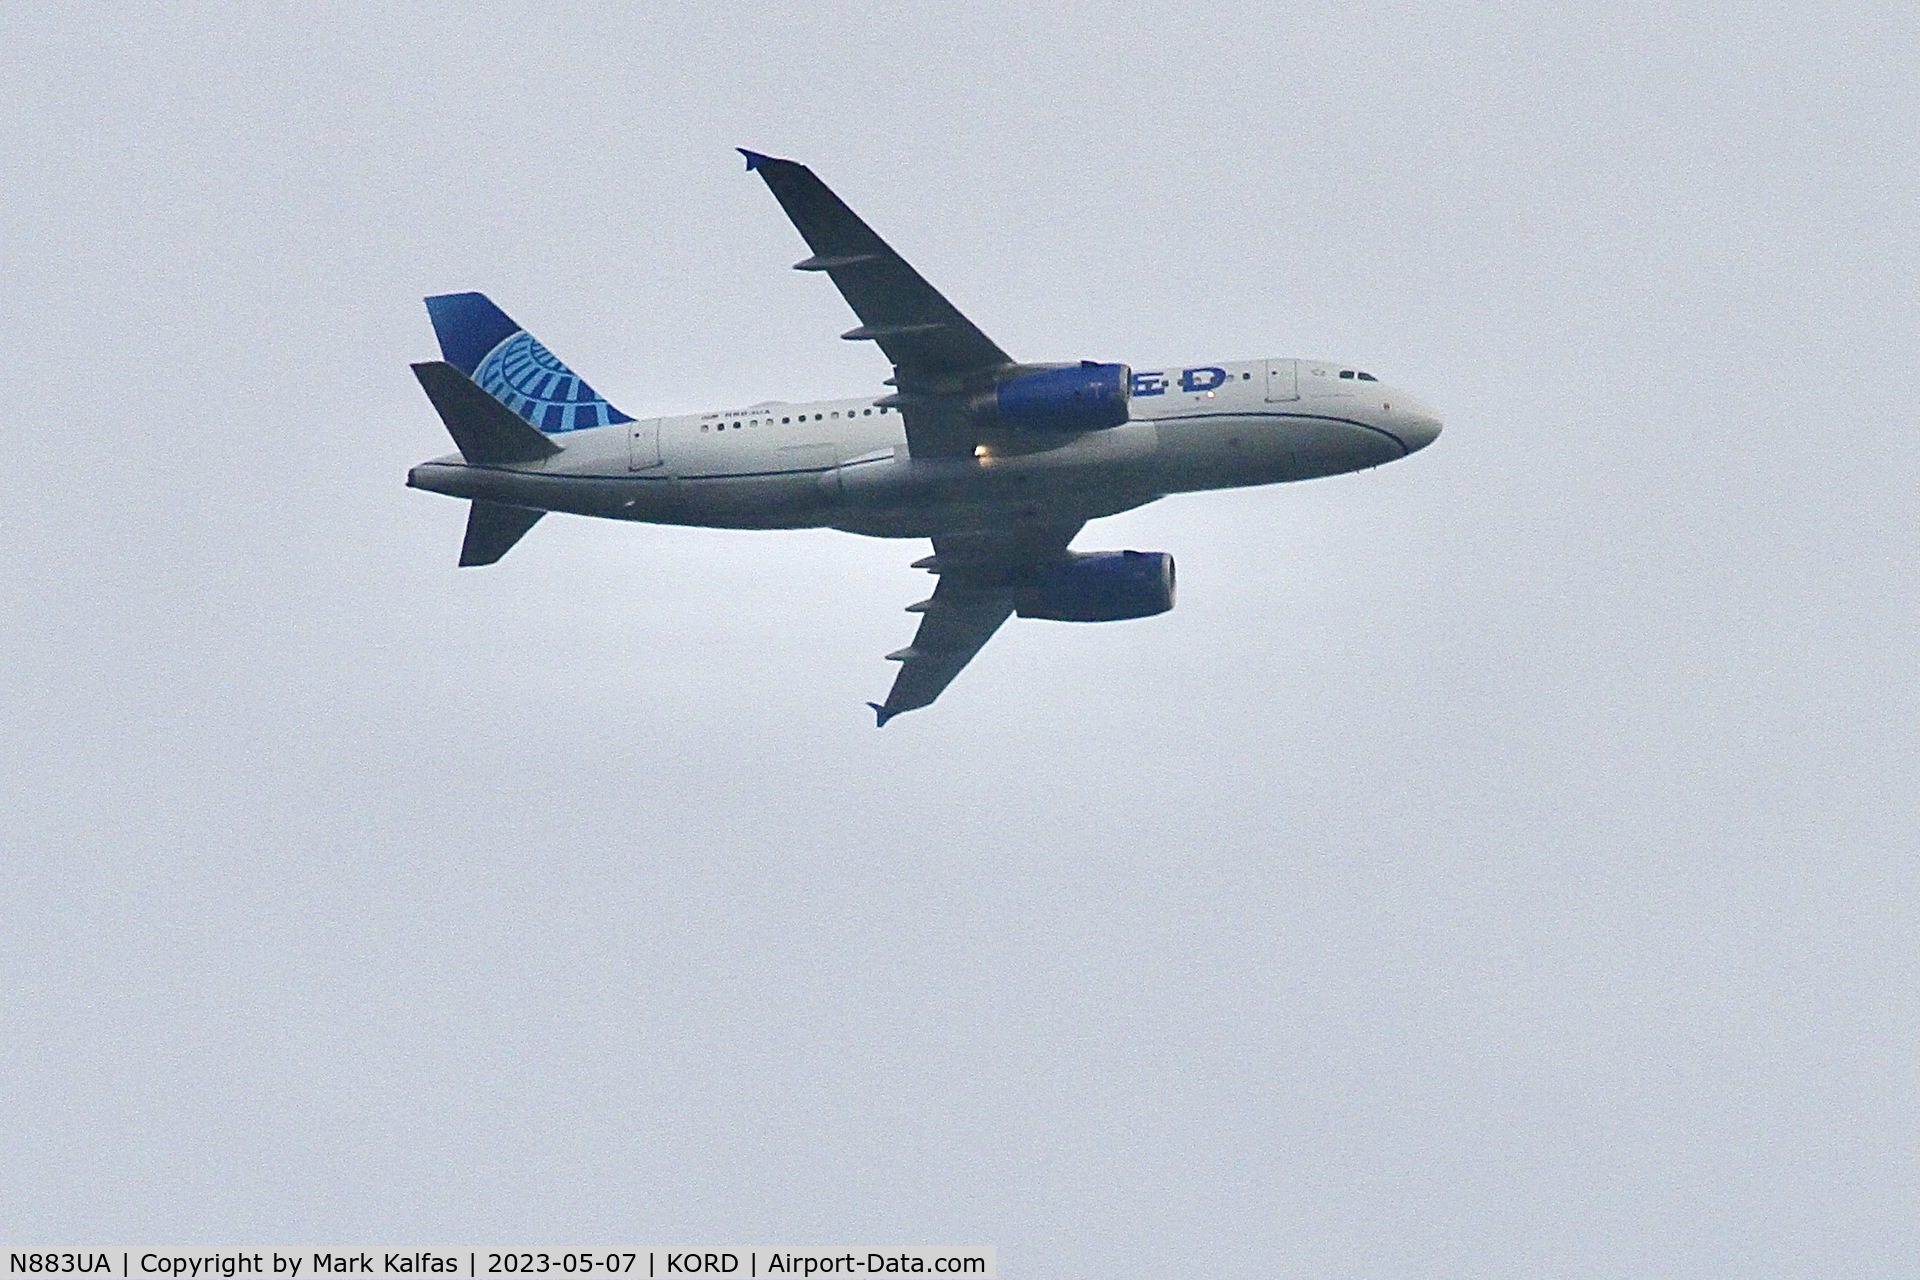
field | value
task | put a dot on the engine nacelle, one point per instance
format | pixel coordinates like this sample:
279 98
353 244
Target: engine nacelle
1101 586
1088 396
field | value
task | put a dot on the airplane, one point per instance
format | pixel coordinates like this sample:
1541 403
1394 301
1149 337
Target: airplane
998 462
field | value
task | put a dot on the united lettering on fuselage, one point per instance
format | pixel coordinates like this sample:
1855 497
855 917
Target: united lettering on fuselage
997 462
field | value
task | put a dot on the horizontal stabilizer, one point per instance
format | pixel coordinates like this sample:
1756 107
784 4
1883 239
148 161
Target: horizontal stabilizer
492 529
486 431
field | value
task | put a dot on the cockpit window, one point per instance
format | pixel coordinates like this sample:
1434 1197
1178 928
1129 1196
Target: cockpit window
1355 373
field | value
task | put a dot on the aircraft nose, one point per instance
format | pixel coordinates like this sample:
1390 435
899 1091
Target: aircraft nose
1415 423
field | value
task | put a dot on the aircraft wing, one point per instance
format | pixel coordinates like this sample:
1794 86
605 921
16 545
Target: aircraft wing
936 351
979 573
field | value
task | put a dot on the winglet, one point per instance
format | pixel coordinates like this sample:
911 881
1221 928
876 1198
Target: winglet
755 159
881 715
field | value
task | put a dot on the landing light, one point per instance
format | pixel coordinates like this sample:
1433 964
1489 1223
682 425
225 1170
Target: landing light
981 452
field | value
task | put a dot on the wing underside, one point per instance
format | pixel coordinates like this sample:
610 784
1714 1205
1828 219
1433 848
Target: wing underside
958 622
940 360
981 571
937 353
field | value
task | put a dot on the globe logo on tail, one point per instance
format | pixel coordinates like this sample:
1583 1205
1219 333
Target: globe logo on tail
530 380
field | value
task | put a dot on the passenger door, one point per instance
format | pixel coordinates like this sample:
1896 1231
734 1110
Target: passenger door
643 444
1283 381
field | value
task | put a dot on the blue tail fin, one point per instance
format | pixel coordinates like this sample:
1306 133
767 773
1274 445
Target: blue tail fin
484 343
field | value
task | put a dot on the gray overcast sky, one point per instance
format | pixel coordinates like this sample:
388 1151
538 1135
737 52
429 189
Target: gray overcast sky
1500 864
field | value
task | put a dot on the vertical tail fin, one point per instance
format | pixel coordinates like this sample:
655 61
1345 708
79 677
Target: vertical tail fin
484 343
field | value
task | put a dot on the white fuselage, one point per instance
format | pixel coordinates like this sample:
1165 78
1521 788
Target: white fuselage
844 463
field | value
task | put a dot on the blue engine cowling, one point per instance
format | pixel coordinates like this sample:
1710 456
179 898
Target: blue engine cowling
1102 586
1088 396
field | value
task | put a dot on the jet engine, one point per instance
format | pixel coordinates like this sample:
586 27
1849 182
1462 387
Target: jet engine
1088 396
1101 586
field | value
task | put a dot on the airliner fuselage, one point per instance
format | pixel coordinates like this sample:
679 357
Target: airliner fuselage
845 464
